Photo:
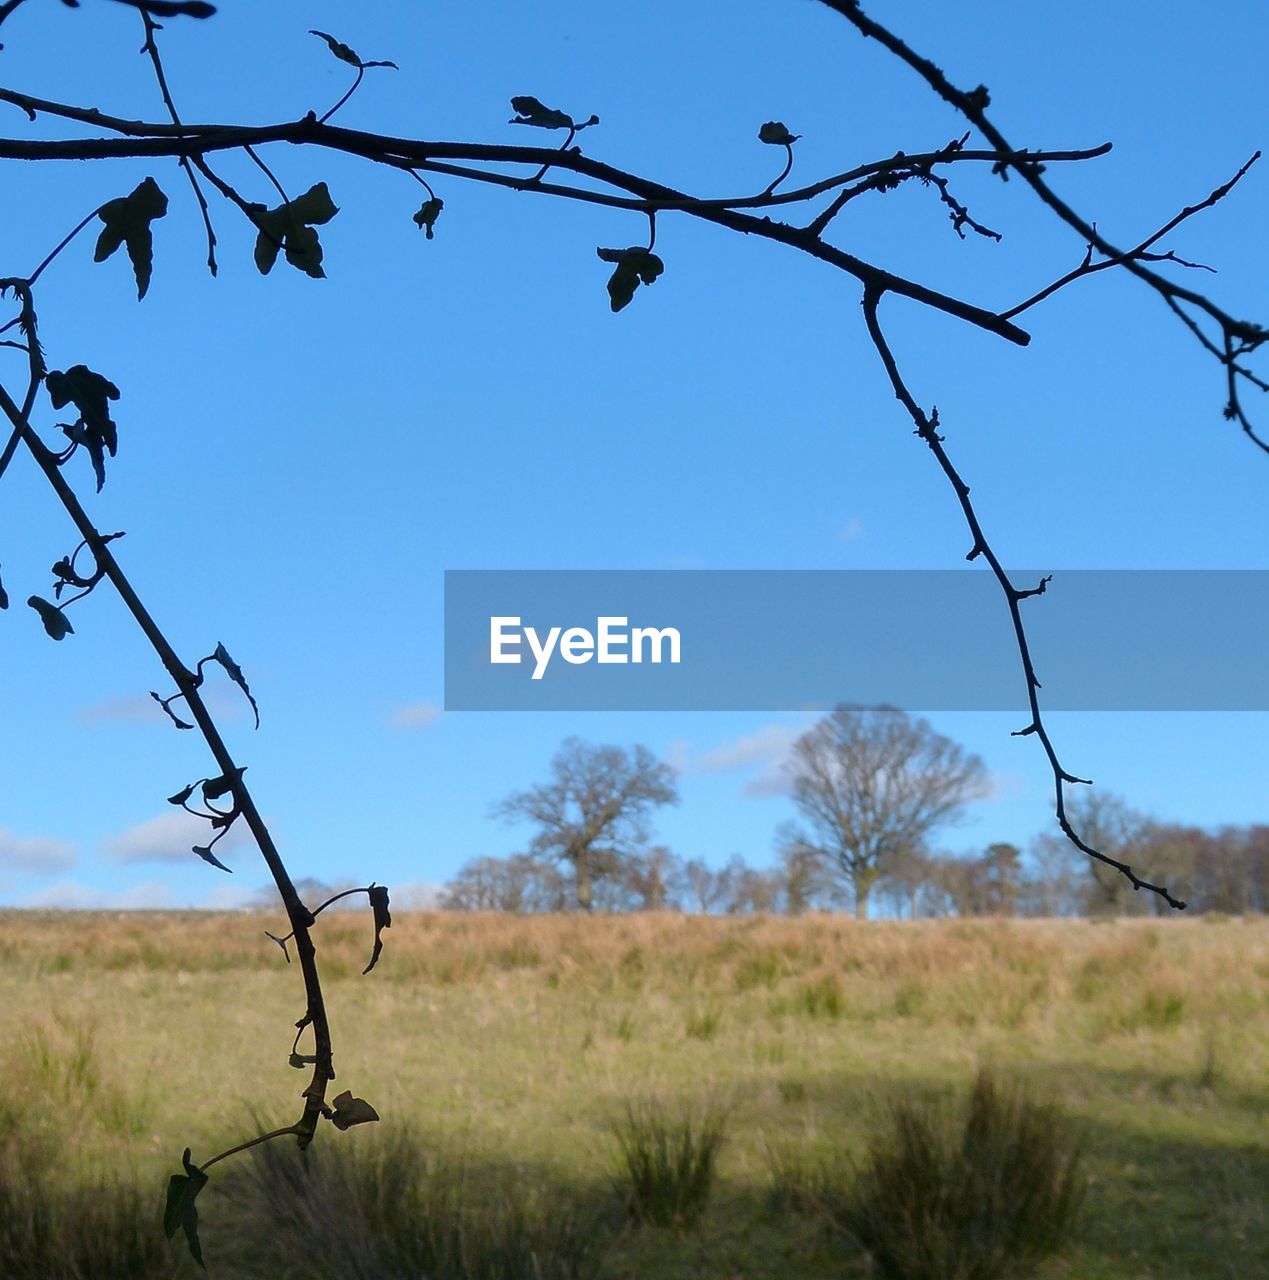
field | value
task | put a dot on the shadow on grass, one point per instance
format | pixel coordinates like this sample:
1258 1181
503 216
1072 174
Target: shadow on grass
392 1203
1161 1201
387 1204
59 1226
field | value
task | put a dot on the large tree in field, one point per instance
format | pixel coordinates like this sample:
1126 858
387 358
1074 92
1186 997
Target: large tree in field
871 784
593 814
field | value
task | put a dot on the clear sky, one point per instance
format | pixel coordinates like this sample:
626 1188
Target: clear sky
301 460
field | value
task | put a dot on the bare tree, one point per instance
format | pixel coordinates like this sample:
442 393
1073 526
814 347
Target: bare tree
497 884
593 814
1107 821
745 889
705 887
911 885
655 879
871 784
805 880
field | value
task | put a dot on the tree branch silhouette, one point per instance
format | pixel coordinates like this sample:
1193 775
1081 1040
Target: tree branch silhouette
813 208
1236 337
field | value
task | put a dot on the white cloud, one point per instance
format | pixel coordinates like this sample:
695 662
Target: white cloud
169 838
772 781
70 895
136 709
767 746
34 855
140 708
761 753
415 715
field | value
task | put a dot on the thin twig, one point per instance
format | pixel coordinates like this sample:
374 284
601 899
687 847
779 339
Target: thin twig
268 173
66 239
973 105
151 47
927 429
317 911
361 71
251 1142
1140 253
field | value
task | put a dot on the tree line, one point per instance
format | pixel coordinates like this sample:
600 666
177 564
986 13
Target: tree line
871 786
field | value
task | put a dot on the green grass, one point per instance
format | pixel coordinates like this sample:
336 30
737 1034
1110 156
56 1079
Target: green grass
393 1206
57 1223
508 1044
667 1161
983 1195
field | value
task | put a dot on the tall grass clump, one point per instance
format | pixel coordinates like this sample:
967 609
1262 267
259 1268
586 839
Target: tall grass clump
983 1196
392 1207
666 1164
802 1182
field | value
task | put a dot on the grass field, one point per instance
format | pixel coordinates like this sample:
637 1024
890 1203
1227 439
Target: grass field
509 1047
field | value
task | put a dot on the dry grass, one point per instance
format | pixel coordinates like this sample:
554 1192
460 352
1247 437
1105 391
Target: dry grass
513 1041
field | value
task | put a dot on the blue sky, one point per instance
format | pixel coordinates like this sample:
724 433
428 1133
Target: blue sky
300 461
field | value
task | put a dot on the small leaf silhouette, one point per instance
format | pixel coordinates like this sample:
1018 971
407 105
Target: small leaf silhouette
775 133
426 217
289 228
181 796
350 1111
531 111
635 265
127 222
90 393
181 1212
214 788
235 674
4 597
383 920
345 54
208 856
171 715
339 49
56 623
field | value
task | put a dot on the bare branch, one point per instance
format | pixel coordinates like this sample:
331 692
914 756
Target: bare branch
973 105
927 428
151 48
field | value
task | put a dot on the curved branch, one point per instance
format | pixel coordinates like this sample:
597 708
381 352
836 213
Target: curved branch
413 154
973 106
151 48
300 917
927 428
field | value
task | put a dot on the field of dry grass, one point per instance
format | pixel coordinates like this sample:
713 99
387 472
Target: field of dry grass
512 1045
